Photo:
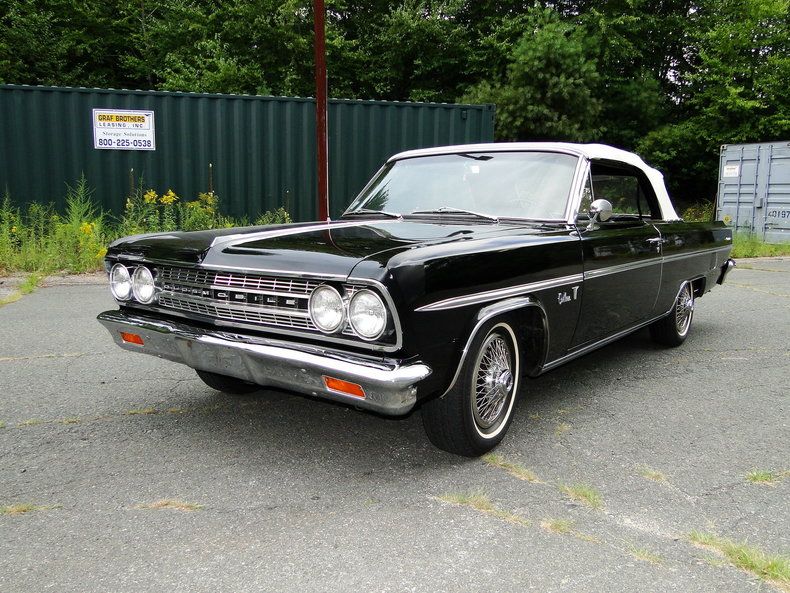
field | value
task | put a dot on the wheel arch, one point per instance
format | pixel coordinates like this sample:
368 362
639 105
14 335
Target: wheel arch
530 327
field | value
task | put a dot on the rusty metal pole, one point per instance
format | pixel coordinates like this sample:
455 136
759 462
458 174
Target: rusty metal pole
321 137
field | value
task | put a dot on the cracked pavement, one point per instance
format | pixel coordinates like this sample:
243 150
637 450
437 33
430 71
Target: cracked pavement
303 495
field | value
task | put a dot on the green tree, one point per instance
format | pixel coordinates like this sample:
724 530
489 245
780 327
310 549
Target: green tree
548 90
737 93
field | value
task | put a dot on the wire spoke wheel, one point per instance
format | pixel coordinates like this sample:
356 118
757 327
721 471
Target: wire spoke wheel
684 309
493 382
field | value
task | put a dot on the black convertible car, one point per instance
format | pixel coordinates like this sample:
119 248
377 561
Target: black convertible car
456 274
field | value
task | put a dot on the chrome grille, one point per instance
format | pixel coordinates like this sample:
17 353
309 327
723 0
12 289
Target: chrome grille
237 314
233 280
249 298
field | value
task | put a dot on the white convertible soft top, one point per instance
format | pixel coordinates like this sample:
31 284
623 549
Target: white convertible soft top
589 151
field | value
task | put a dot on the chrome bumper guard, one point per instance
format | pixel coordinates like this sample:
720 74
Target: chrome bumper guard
389 384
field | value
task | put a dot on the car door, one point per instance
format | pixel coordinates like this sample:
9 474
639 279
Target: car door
622 257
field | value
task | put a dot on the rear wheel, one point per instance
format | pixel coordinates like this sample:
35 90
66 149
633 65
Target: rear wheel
474 415
673 329
226 384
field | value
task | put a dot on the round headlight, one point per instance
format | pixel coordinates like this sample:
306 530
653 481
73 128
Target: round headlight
326 309
143 285
120 282
367 314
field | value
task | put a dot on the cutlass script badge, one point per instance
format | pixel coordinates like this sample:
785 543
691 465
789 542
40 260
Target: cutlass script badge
564 297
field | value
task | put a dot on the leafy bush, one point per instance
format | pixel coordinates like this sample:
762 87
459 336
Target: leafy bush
40 239
699 212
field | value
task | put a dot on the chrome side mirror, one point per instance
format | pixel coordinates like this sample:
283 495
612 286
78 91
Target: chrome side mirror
600 211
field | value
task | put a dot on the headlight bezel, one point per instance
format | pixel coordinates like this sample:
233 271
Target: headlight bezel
364 293
129 293
342 309
136 282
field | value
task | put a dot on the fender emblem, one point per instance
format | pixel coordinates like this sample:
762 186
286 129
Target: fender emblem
564 297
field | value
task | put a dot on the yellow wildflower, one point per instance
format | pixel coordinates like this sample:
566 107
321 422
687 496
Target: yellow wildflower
101 253
150 197
13 229
86 228
169 198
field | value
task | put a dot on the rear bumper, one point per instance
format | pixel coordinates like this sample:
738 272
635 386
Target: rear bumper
389 384
725 269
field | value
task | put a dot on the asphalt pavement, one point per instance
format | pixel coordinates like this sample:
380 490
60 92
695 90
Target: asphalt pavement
136 477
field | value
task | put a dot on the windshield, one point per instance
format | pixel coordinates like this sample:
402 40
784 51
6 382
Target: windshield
533 185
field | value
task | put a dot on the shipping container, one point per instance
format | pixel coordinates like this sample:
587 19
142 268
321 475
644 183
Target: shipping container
256 153
754 189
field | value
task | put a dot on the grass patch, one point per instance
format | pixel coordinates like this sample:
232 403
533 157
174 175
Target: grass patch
2 424
69 421
560 526
31 422
11 298
652 474
645 555
561 429
764 477
514 469
773 568
168 504
24 508
28 285
749 245
482 504
140 412
584 494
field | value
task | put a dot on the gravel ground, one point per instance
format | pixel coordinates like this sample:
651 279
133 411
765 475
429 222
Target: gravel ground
302 495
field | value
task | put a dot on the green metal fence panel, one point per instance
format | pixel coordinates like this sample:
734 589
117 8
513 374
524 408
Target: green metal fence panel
262 149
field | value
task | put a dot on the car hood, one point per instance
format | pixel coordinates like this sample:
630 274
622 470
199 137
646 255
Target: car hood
331 248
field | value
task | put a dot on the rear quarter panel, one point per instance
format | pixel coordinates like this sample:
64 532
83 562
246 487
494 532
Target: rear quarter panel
691 250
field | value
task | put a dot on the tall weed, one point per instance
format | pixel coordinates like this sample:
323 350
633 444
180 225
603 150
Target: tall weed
41 240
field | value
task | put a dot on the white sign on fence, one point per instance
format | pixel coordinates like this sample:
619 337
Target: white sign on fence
122 129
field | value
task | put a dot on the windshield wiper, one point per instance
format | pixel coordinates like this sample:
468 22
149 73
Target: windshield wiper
370 211
482 157
448 210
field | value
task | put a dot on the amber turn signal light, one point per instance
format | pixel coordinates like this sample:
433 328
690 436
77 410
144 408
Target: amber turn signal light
344 387
131 338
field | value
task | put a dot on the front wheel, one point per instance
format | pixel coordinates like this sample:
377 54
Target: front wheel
474 415
673 329
227 384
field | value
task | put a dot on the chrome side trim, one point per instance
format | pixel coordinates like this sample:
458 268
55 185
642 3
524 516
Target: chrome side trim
677 256
500 293
609 339
654 261
651 262
492 311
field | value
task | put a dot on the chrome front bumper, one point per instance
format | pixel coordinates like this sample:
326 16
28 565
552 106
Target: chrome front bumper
389 384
